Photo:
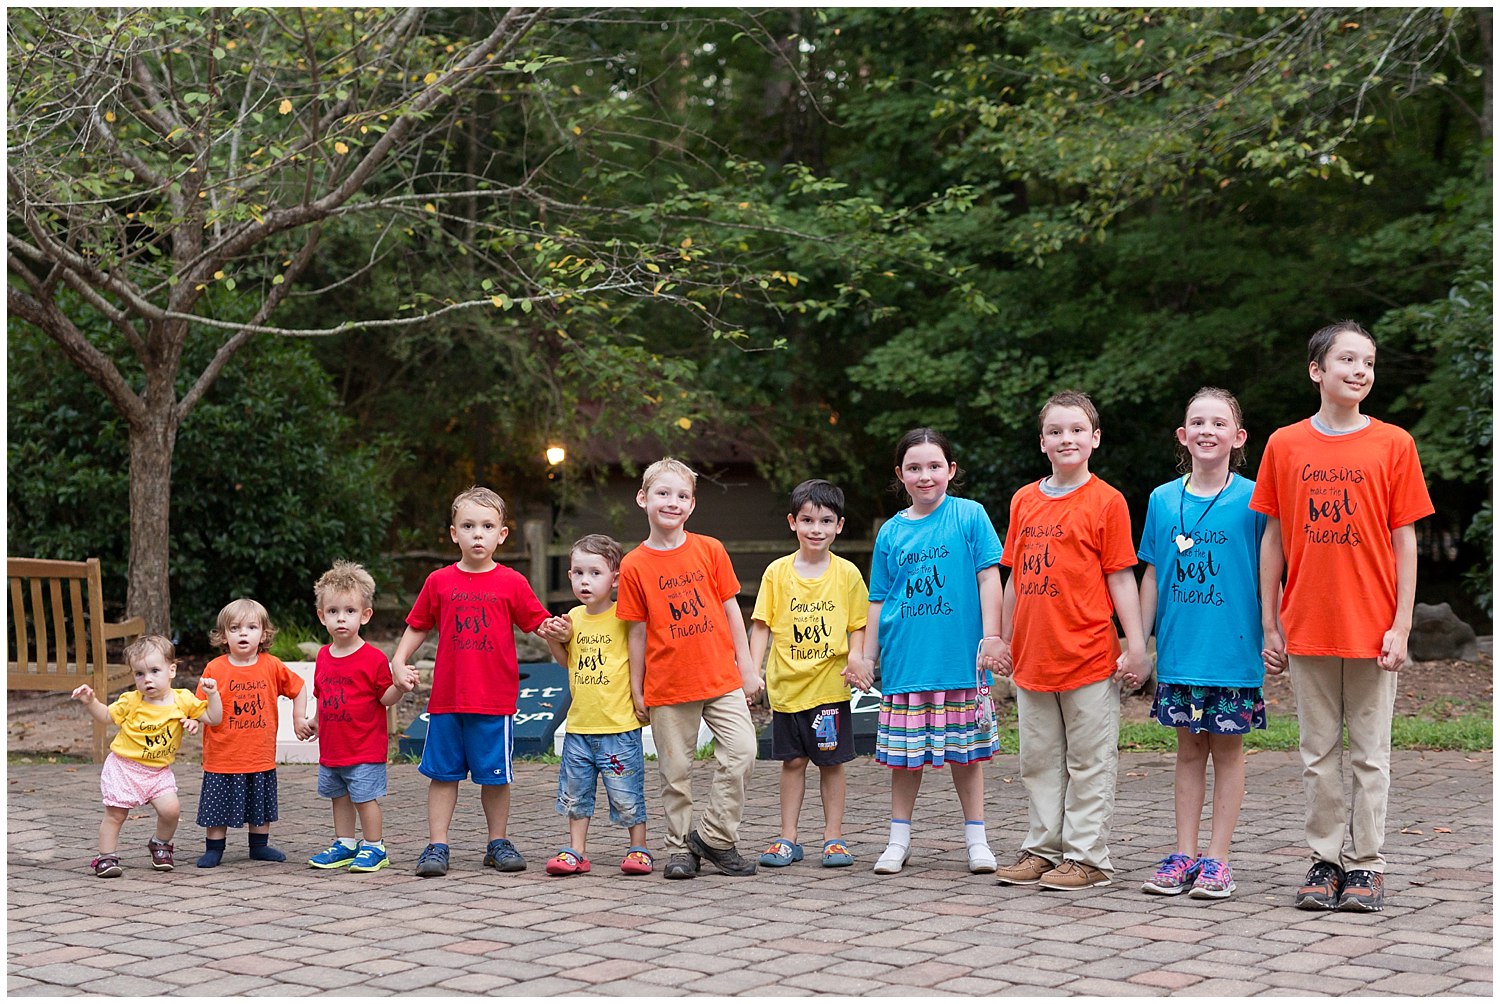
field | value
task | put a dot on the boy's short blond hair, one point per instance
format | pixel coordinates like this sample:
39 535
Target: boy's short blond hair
479 496
141 649
669 465
236 611
346 577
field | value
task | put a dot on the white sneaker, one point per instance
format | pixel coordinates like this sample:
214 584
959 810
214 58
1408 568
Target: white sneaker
894 857
981 859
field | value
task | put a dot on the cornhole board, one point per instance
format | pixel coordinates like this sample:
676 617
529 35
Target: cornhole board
864 717
541 705
290 749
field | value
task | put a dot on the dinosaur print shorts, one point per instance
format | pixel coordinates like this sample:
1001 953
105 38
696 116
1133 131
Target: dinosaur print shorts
1224 711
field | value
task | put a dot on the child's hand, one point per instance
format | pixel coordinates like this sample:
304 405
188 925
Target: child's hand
994 655
306 729
754 686
405 679
1130 668
558 629
641 714
1392 650
208 685
84 694
190 726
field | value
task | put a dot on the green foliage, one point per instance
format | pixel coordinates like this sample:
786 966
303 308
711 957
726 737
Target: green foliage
269 487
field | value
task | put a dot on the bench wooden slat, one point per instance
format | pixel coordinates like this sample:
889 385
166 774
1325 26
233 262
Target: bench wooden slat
57 611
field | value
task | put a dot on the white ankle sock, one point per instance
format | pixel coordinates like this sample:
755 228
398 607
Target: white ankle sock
974 834
901 832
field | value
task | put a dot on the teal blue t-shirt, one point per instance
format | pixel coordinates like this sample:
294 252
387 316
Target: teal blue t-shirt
1208 630
925 572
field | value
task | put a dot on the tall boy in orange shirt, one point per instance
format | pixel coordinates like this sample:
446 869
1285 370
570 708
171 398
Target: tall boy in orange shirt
1342 492
1070 553
689 664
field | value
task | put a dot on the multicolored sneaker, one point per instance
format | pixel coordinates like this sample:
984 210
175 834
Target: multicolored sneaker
1320 890
1363 892
369 858
1215 880
336 856
1174 874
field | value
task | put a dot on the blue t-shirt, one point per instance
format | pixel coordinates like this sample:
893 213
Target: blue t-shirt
925 572
1208 630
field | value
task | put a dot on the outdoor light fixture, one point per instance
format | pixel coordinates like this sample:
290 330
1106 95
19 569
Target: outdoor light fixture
556 455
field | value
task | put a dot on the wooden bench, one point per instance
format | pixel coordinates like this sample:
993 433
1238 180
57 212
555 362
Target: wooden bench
58 633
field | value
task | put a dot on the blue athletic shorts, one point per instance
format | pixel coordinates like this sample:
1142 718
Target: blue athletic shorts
465 745
618 760
362 782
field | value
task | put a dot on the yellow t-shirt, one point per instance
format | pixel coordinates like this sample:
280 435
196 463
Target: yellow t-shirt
152 733
599 674
810 621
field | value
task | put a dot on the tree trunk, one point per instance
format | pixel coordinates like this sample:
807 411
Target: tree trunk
151 444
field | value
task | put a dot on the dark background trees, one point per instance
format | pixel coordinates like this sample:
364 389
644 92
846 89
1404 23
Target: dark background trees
809 229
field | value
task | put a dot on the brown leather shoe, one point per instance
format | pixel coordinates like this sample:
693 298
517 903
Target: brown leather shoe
1072 875
1028 870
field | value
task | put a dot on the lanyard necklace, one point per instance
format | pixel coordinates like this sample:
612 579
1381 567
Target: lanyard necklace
1185 540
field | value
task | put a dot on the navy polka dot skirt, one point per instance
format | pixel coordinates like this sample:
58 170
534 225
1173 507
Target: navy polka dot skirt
238 799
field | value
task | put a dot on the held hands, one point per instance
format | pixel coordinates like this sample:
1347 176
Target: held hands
753 685
994 655
641 714
189 726
860 672
84 694
405 678
306 729
1273 656
558 629
1131 669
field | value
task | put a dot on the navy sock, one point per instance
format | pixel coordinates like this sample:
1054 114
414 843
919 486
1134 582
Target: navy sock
214 853
261 849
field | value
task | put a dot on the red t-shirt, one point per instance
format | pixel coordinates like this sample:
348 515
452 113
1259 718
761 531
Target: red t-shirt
1338 499
244 741
680 594
1060 550
475 614
351 719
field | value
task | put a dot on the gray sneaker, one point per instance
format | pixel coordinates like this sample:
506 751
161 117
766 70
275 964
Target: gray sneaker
727 860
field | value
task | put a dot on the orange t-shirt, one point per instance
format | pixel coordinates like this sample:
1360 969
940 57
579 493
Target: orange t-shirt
244 741
1060 550
680 594
1338 499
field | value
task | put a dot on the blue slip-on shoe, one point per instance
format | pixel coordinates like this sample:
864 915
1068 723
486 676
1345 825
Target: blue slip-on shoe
781 853
836 854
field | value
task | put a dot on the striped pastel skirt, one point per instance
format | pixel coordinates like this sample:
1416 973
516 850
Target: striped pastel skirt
932 729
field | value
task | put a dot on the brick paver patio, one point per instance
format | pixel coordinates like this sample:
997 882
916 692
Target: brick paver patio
250 928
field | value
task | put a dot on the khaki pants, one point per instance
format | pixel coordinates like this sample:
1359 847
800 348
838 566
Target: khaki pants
674 728
1331 691
1069 758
